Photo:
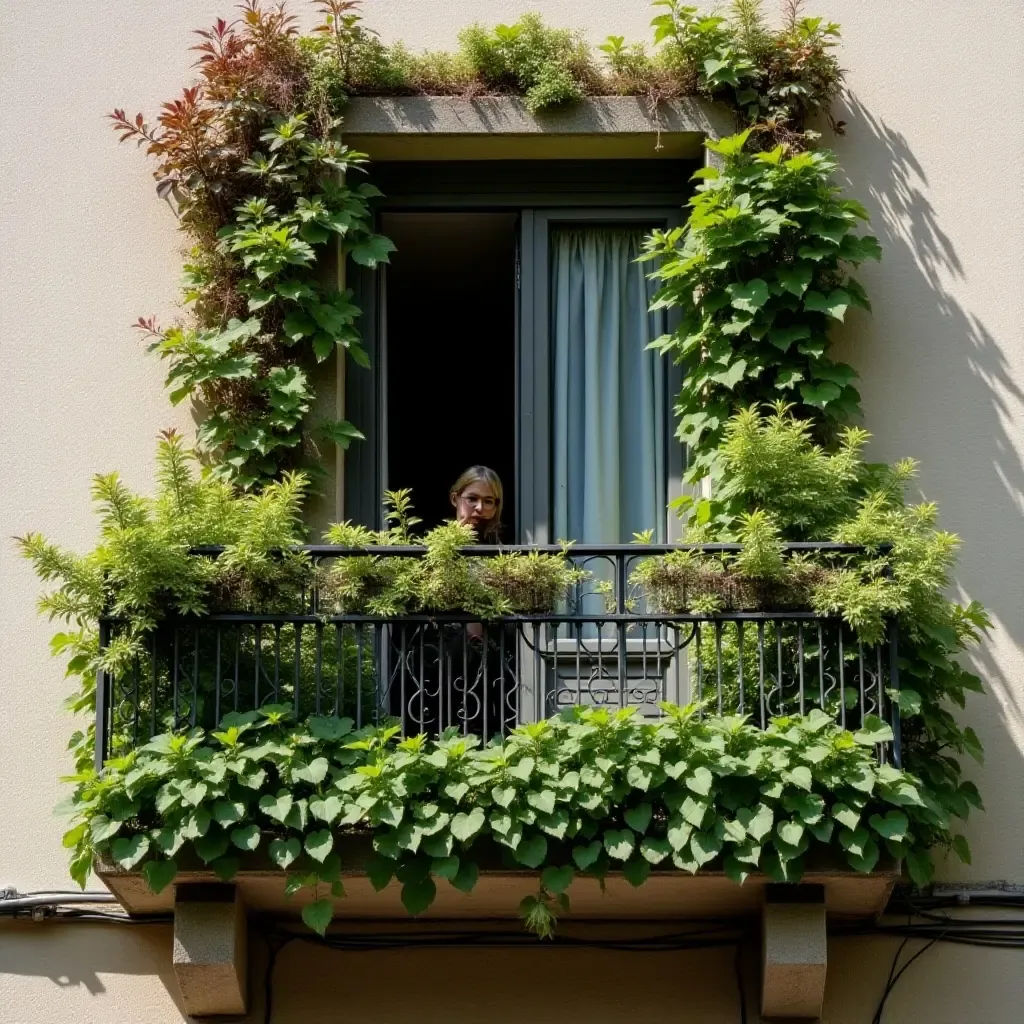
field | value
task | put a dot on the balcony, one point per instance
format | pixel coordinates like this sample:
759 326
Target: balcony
609 643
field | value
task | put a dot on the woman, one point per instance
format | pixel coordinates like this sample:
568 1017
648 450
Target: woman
477 498
461 673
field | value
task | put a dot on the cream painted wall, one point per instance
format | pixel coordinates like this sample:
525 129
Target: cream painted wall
933 147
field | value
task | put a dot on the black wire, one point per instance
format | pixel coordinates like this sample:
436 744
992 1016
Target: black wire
888 981
877 1019
738 966
697 939
68 914
273 949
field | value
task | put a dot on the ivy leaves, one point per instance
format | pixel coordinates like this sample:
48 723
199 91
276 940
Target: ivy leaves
251 378
759 274
591 792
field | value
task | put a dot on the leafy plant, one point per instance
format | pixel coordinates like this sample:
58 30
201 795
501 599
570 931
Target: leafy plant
777 479
444 579
142 572
758 273
252 160
587 793
774 80
141 569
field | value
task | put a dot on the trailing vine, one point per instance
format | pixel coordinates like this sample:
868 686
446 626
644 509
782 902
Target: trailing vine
759 272
589 792
250 158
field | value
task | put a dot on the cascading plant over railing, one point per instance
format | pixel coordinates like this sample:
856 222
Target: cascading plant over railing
167 800
586 793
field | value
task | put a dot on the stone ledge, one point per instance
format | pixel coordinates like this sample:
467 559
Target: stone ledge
500 127
507 115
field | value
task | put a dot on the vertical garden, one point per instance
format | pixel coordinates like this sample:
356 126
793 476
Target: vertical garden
252 160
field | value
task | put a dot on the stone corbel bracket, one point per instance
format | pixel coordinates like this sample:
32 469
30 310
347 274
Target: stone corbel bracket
210 949
794 957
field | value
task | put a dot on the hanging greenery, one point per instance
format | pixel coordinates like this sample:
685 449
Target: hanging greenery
251 160
760 273
587 793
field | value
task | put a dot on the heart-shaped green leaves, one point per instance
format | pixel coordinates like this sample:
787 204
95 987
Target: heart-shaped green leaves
278 806
619 843
284 851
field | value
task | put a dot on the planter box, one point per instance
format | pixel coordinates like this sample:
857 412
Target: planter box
667 894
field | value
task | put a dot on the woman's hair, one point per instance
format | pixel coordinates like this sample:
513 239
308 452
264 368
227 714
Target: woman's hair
491 528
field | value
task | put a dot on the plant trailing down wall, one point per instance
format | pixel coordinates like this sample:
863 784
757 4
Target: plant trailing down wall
251 159
760 271
584 794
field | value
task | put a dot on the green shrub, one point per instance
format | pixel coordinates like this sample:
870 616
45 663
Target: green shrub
141 570
770 464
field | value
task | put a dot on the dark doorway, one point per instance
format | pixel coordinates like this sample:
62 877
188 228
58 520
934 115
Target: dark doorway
450 338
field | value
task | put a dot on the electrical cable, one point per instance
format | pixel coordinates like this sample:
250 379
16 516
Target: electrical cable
891 983
738 966
29 900
928 918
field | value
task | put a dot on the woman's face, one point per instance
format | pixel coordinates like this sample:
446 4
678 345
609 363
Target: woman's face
475 504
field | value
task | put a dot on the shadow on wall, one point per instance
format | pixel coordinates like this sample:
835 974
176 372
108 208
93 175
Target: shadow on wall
918 390
96 972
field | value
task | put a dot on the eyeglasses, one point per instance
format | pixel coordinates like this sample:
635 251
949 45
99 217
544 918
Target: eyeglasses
475 499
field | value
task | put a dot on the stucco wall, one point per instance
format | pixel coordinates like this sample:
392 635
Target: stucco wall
934 148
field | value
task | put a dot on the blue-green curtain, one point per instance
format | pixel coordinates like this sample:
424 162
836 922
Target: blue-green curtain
609 390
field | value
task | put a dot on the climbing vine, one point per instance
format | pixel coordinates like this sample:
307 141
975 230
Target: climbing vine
251 159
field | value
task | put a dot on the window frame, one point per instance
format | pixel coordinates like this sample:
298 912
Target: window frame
644 191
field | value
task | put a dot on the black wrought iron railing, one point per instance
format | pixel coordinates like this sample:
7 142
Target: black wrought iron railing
605 645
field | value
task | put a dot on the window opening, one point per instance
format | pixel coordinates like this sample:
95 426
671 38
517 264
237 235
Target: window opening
450 378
